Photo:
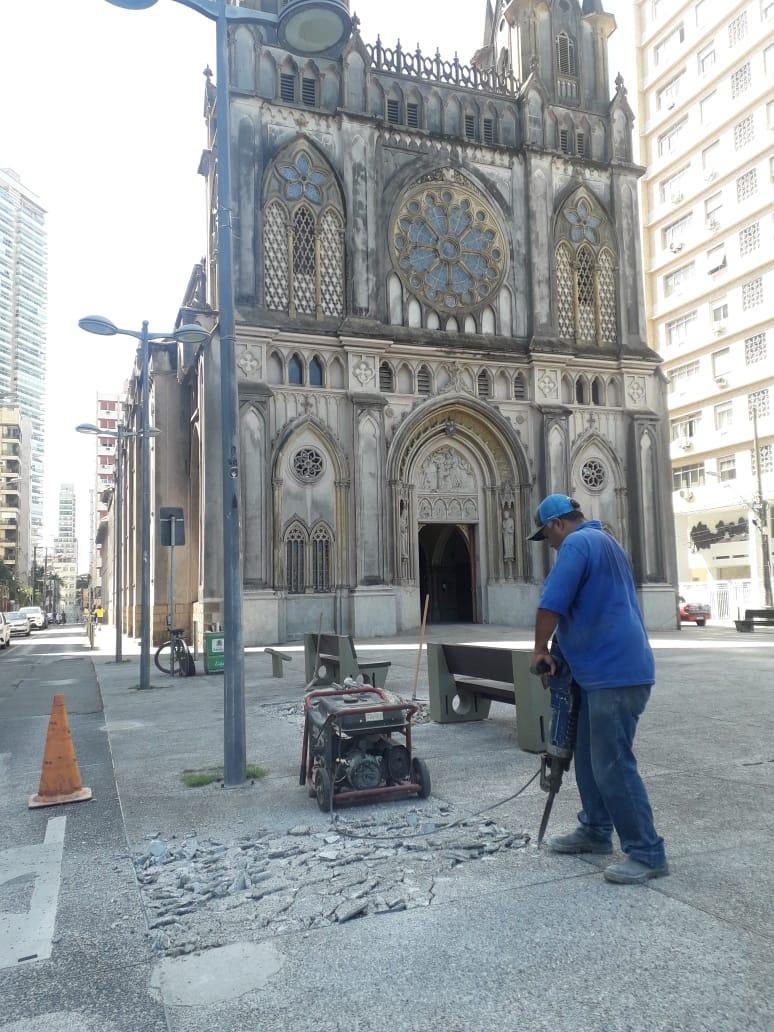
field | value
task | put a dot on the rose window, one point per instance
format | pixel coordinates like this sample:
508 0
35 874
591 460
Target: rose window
302 179
448 248
594 474
308 465
584 223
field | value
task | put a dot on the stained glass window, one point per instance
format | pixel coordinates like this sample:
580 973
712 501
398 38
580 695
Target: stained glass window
321 559
295 549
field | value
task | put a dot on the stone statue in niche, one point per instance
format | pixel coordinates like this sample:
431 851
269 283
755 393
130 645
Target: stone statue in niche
404 531
509 529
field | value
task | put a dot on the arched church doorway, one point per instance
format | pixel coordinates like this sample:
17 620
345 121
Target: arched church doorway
446 572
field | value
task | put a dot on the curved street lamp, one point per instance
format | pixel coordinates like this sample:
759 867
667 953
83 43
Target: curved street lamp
190 333
307 27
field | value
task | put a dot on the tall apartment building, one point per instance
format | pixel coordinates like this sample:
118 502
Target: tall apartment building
706 115
66 549
108 417
23 298
15 527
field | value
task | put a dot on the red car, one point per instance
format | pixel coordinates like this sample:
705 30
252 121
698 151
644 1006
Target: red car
694 612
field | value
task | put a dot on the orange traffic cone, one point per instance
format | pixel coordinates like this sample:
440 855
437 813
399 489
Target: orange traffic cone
60 779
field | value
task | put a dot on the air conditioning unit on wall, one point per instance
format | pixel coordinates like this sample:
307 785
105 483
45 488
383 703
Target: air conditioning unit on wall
686 495
721 381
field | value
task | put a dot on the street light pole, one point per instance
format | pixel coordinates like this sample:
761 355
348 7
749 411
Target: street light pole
762 512
118 546
145 615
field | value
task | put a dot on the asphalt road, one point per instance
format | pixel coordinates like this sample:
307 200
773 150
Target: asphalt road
73 952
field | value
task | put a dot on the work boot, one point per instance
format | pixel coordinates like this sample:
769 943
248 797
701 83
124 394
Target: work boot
633 872
578 841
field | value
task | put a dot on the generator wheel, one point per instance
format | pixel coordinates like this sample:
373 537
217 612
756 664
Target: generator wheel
700 623
323 789
420 775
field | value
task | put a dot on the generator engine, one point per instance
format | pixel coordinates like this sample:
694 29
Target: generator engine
349 745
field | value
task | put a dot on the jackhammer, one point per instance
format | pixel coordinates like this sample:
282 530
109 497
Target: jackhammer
565 701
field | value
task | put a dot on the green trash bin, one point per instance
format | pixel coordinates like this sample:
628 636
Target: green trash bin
214 652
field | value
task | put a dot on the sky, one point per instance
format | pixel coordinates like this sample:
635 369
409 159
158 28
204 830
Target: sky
103 120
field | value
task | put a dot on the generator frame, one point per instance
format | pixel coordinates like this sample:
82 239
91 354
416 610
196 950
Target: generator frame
417 785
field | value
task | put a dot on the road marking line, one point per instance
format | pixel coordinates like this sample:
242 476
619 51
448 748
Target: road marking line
27 936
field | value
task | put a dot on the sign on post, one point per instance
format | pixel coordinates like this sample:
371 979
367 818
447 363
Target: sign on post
168 516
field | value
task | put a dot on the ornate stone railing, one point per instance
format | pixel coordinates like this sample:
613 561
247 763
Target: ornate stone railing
414 65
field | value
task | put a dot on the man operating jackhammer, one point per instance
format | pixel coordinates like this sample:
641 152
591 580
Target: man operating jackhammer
589 604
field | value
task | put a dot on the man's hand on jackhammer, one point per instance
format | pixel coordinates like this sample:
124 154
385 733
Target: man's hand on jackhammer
542 662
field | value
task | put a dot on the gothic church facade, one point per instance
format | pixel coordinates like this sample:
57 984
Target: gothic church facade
439 320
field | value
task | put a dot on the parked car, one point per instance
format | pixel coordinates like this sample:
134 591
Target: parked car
38 619
5 632
20 623
694 612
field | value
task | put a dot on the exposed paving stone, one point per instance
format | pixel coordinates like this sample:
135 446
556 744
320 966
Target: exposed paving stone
198 889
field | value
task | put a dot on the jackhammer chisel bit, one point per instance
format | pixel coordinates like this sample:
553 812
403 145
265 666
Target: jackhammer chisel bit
564 723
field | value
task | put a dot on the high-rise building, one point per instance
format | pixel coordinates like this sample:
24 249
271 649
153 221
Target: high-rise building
23 298
108 415
65 563
15 435
706 118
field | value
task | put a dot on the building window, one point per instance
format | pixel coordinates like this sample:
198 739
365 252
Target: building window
766 452
304 264
386 377
685 426
737 29
680 375
707 107
470 127
484 384
747 185
393 111
706 58
412 115
309 92
721 362
744 132
671 188
288 87
423 380
727 468
741 80
673 235
295 555
315 372
322 541
675 281
755 349
519 387
565 291
331 261
566 59
295 371
767 10
724 415
768 59
758 401
684 477
669 93
749 239
670 43
679 330
565 141
700 11
710 158
752 294
713 208
718 312
716 259
586 299
489 131
668 141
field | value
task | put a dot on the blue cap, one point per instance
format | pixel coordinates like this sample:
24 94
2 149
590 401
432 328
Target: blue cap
552 508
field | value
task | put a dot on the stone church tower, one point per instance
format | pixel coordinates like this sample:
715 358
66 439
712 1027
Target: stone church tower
439 320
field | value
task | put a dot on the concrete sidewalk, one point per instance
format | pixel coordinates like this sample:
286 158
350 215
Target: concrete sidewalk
519 939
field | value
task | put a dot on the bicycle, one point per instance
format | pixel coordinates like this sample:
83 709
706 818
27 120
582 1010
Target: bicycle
174 657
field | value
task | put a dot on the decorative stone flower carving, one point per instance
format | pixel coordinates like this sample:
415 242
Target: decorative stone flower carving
303 180
584 224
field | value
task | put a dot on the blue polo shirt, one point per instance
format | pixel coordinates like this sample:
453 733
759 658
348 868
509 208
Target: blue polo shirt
600 628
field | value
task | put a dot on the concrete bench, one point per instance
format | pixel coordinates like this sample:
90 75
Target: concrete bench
465 680
277 660
755 618
336 659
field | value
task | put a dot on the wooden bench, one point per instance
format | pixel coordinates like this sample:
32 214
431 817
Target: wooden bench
465 680
336 659
277 659
755 618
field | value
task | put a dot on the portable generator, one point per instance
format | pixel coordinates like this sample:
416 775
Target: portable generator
350 752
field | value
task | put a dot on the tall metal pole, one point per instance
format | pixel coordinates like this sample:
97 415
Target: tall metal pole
762 512
234 747
118 544
145 615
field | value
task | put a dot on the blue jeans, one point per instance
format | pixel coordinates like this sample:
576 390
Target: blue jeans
611 789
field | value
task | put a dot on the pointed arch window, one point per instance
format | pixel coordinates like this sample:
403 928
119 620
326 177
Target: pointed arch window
565 291
484 384
386 377
519 387
423 380
303 240
586 307
295 371
295 559
566 58
315 372
586 329
581 393
607 306
322 551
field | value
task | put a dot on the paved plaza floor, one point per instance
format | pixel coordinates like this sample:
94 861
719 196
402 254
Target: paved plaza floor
515 938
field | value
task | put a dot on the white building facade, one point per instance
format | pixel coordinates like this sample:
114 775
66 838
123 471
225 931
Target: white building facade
66 551
706 113
23 301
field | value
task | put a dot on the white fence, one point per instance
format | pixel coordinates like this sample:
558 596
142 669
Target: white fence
726 599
